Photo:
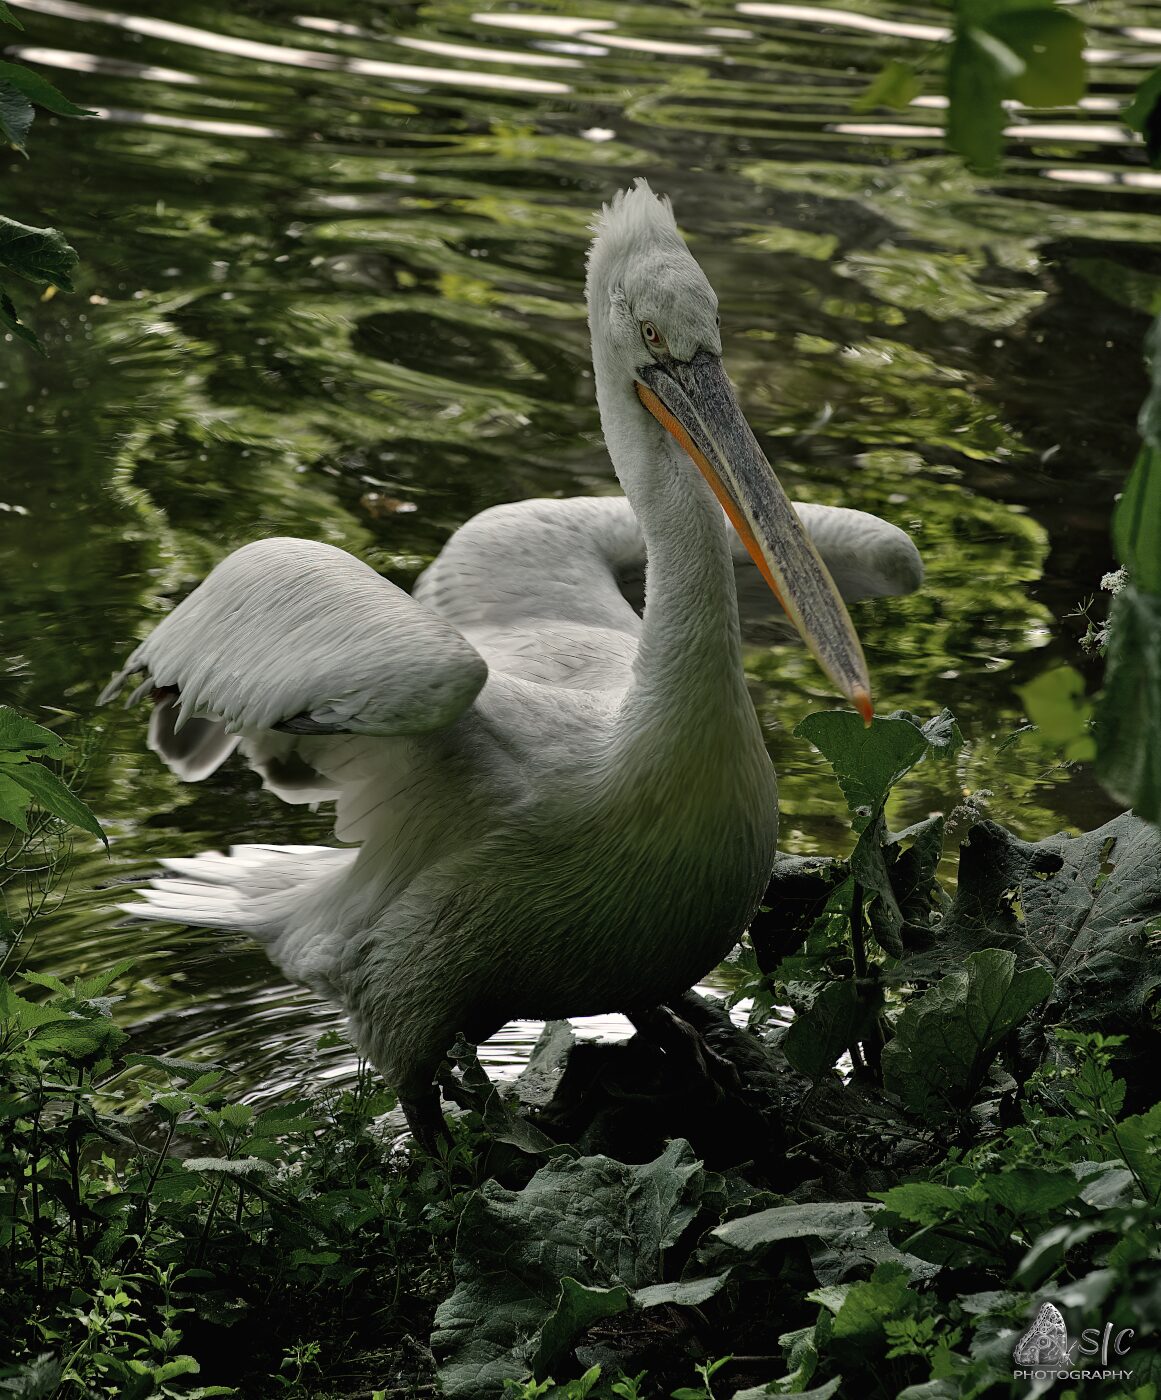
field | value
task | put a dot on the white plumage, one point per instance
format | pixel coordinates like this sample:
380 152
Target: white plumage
556 806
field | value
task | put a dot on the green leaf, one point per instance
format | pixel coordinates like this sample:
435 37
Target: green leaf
894 86
39 90
52 794
1137 521
27 1015
41 255
826 1391
1143 114
1055 703
1049 44
20 735
578 1306
975 89
869 867
15 115
813 1220
689 1293
1128 726
868 760
1139 1139
14 803
946 1040
601 1224
230 1166
185 1071
7 17
1030 52
859 1325
837 1018
12 322
1084 906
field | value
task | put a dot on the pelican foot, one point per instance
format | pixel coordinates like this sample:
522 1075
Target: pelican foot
428 1126
688 1049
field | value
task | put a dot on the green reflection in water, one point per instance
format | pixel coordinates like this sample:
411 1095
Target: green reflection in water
324 300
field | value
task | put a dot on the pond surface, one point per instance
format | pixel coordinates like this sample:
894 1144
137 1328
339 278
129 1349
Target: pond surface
331 285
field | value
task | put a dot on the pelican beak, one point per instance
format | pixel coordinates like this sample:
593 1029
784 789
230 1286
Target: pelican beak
694 402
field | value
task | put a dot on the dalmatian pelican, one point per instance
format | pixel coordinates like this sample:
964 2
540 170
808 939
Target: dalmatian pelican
552 804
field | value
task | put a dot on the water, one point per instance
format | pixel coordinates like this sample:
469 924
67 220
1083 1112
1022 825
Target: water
331 286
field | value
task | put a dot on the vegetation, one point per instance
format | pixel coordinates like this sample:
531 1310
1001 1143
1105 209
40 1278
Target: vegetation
38 255
956 1125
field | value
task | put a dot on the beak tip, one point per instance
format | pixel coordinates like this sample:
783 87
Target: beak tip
862 702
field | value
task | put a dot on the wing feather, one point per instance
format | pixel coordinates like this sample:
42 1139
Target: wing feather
292 634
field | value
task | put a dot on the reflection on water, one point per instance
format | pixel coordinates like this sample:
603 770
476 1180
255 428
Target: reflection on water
331 286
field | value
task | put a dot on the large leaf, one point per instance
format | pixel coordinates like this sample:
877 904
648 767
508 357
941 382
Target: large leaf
945 1040
1033 52
51 793
841 1014
868 760
40 255
1129 716
975 90
1128 727
21 735
598 1224
39 90
810 1220
1085 907
10 320
1143 114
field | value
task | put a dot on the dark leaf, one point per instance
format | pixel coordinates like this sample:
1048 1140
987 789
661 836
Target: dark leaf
975 89
945 1040
1128 727
39 90
52 795
841 1014
20 735
1137 521
1087 907
15 114
12 322
599 1224
1144 115
800 892
39 254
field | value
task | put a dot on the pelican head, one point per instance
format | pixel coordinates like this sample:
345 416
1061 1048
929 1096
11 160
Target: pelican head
657 340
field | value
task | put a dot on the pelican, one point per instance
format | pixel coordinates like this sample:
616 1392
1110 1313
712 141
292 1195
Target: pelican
553 805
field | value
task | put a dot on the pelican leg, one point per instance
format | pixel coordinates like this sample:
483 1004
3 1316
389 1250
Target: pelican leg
426 1121
688 1049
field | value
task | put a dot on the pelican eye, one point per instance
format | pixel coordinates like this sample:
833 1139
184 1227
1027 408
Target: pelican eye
651 333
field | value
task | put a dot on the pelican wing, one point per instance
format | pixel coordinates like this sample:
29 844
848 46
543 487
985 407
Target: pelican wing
301 637
552 590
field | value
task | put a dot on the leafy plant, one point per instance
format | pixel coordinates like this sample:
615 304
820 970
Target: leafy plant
1030 51
24 779
1129 714
38 255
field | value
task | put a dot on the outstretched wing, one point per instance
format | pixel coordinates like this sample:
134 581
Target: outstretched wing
552 590
301 637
